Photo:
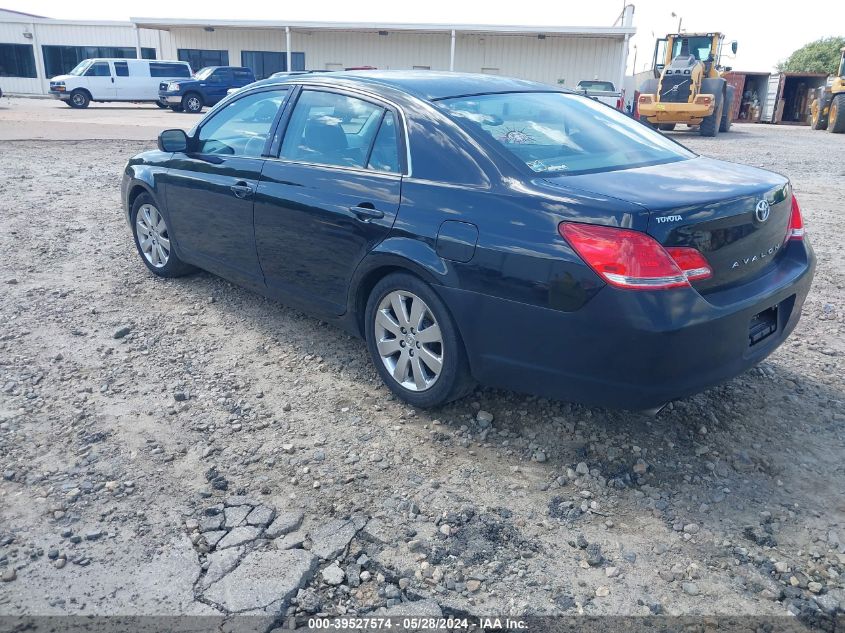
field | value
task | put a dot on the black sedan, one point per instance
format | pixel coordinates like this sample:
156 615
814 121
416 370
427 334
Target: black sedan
479 228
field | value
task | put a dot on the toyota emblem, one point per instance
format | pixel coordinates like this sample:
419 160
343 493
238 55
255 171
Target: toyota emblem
761 212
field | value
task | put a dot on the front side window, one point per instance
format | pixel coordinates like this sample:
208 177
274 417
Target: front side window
220 77
241 128
557 134
331 129
98 69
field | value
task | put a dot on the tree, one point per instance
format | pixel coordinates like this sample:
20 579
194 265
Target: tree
821 56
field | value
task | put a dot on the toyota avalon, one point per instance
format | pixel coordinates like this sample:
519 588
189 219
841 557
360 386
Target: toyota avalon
474 228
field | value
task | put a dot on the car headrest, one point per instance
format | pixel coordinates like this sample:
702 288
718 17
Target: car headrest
324 135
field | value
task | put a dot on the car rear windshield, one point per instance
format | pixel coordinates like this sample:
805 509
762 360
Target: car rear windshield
559 133
605 86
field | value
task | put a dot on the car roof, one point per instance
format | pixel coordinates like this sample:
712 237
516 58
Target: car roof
427 84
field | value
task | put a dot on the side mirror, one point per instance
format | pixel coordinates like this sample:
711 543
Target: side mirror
733 47
173 141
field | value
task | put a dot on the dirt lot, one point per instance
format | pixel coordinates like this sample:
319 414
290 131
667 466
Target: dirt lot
151 429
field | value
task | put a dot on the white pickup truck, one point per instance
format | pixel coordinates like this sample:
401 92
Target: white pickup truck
603 91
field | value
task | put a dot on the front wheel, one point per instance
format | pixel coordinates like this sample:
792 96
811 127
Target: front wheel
192 103
153 239
710 125
79 99
414 343
161 105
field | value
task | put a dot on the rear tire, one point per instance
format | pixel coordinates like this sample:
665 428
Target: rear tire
192 103
79 99
159 256
725 125
392 341
666 127
836 115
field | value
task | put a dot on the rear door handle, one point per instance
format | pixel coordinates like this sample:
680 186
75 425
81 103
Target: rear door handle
242 189
366 212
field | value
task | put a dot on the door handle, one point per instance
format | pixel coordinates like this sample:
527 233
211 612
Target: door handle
366 212
242 189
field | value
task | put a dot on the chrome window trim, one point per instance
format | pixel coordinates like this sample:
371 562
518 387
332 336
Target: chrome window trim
368 96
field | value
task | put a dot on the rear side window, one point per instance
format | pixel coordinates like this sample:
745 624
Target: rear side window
98 69
241 128
242 75
557 133
165 69
331 129
121 69
385 153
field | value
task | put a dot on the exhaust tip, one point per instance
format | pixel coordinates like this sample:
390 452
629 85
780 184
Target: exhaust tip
654 411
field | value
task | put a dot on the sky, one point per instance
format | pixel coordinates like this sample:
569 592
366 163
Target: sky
766 32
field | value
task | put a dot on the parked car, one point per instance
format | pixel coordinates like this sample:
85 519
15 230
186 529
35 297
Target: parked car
603 91
115 80
282 73
209 86
475 227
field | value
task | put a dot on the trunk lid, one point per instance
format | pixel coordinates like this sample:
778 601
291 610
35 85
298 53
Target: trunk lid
735 215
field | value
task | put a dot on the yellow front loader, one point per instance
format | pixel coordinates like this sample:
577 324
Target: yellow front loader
688 86
828 111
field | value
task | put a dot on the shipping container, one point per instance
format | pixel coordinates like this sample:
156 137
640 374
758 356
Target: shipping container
789 96
750 95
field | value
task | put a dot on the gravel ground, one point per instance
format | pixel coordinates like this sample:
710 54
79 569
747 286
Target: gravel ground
187 447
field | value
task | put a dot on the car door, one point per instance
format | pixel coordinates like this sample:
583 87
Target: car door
209 189
329 197
99 81
129 84
215 87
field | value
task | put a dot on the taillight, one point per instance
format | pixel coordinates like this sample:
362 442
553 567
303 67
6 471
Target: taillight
796 222
619 104
634 260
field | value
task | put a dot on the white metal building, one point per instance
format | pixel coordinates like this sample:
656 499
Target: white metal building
33 48
550 54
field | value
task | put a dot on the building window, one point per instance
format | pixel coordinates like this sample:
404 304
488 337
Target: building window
17 60
148 53
58 60
422 67
265 63
200 58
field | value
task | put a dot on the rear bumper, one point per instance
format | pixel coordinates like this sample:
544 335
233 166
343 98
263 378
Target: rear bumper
625 349
667 112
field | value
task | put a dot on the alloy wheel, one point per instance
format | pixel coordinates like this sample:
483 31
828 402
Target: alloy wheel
194 104
409 340
78 99
153 236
